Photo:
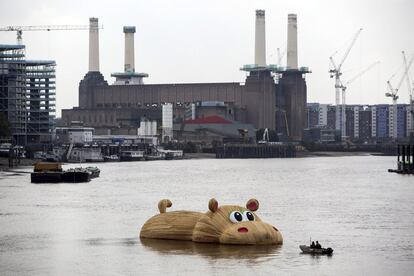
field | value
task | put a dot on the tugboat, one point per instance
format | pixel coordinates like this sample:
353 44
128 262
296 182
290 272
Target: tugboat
94 171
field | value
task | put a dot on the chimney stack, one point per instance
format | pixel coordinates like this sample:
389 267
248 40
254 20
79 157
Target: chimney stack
260 39
292 42
129 65
93 45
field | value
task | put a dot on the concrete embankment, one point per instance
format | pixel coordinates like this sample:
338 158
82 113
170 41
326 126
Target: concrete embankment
4 163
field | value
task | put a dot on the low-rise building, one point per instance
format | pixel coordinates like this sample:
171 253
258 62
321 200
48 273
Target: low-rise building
74 135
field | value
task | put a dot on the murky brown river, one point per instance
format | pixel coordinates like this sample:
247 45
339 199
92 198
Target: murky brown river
351 204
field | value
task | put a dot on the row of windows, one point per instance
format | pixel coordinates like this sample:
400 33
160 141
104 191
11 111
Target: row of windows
101 118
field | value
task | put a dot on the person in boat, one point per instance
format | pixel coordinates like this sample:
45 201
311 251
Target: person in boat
318 245
312 245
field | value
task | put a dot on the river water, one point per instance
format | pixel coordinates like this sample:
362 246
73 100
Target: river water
351 204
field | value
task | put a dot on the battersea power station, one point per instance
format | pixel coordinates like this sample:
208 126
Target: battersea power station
272 96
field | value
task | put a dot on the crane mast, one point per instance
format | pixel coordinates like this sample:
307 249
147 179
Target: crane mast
344 87
336 72
393 94
410 94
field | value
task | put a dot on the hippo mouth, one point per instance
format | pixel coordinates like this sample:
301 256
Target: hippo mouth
257 233
243 230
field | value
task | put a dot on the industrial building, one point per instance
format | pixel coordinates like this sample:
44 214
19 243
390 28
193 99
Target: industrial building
27 95
261 102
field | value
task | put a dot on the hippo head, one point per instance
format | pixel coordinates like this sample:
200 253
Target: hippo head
229 224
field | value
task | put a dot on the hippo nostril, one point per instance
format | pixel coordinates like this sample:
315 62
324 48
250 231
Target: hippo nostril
275 229
243 230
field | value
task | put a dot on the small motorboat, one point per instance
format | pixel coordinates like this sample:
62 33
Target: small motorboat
316 251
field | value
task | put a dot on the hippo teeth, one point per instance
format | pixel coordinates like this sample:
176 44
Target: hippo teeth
243 230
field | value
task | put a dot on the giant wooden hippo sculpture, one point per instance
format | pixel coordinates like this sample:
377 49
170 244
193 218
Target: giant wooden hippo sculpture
227 224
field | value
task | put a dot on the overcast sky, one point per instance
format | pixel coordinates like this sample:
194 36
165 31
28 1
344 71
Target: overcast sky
185 41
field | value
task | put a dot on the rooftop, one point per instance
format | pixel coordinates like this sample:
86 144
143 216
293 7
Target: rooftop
7 47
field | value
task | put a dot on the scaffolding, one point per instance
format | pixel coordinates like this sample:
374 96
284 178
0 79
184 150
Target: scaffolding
27 95
40 100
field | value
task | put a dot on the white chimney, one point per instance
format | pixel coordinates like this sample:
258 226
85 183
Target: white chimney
260 39
292 42
129 49
93 45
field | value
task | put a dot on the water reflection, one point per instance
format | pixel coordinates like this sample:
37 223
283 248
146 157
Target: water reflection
116 242
215 251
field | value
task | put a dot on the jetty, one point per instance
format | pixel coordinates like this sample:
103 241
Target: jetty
256 151
405 159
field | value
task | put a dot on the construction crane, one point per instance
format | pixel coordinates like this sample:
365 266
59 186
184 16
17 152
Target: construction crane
393 94
336 72
19 29
410 94
344 87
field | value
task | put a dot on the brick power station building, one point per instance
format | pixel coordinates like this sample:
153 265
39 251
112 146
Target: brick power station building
272 97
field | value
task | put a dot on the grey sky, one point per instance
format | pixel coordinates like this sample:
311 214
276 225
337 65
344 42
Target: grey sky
208 41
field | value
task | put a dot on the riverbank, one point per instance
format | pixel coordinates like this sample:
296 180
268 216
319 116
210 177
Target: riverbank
4 163
331 153
199 155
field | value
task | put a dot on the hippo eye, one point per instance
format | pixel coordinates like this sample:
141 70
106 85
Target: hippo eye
248 216
236 217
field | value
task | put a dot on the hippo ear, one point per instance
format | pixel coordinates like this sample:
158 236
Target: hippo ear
252 204
213 205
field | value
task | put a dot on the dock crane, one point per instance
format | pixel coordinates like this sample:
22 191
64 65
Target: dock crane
393 94
336 72
19 29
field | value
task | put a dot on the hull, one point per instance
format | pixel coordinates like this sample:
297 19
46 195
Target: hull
154 157
46 177
76 176
111 158
316 251
130 158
